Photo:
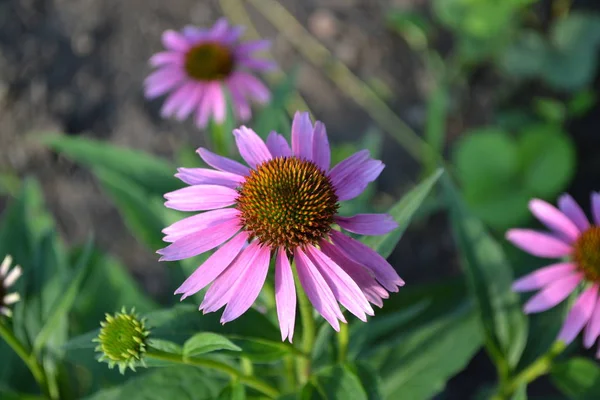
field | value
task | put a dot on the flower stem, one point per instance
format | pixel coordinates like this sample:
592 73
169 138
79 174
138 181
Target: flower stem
342 338
308 333
28 359
541 366
249 381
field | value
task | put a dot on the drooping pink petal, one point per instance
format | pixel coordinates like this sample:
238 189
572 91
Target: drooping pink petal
176 100
554 219
223 288
200 242
348 166
302 136
175 41
537 243
219 29
194 34
345 290
278 146
579 315
553 294
357 181
592 330
161 81
285 295
213 266
251 86
248 288
252 148
372 290
223 163
317 290
201 198
165 58
385 274
321 151
204 110
543 277
233 35
247 48
571 209
218 103
596 207
368 224
187 105
198 222
241 107
12 276
205 176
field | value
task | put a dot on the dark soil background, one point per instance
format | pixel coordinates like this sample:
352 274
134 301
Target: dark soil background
77 67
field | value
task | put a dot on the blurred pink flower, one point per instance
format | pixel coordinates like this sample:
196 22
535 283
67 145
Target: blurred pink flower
197 67
284 205
573 238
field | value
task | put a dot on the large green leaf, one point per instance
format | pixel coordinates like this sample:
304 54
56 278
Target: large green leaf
578 378
153 174
337 382
206 342
490 278
402 212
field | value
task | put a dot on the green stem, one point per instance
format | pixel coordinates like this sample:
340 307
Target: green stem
539 367
218 139
308 332
249 381
343 338
28 359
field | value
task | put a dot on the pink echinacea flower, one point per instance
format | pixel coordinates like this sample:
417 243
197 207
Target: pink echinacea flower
282 205
577 243
199 65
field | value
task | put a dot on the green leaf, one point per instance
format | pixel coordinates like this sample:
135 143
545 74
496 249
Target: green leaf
490 278
233 391
65 302
578 378
140 211
547 158
181 383
402 212
337 382
263 351
369 379
550 109
581 103
412 26
153 174
165 346
206 342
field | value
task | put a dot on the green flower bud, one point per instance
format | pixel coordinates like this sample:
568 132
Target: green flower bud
122 340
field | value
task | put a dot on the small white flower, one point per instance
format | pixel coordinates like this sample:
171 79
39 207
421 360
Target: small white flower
8 277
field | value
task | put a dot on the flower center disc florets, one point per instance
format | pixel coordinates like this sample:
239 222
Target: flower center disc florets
287 202
586 253
209 62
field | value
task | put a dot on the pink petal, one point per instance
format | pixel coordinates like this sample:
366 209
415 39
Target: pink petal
218 103
368 224
285 295
355 183
592 331
252 148
201 198
596 207
241 107
223 163
538 243
219 28
543 277
176 100
162 81
251 86
278 146
223 288
345 290
205 176
321 151
355 250
248 288
205 107
571 209
251 46
200 242
552 294
194 34
347 166
554 219
174 41
198 222
302 136
187 105
258 64
233 35
213 266
317 291
166 58
372 290
579 315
